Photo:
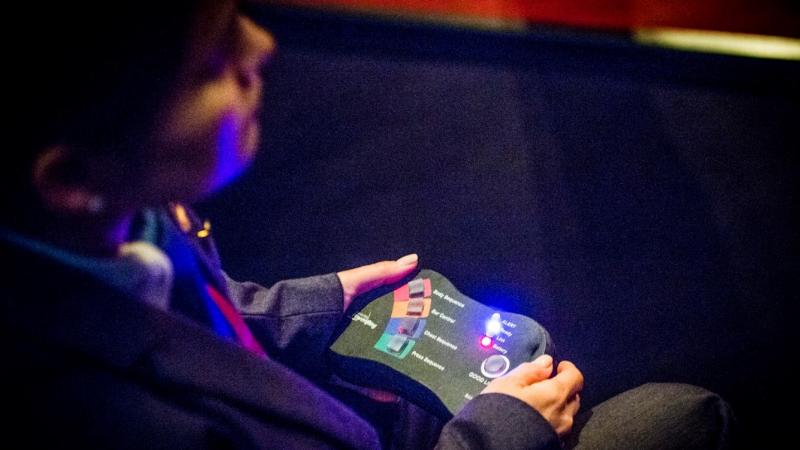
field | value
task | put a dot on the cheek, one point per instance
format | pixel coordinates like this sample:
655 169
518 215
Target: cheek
227 142
207 139
235 143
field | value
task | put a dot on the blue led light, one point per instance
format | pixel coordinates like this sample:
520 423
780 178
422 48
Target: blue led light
494 326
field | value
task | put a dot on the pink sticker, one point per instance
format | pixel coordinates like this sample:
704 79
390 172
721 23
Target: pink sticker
401 294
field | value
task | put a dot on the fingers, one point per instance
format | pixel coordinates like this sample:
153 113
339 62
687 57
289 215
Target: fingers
363 279
573 405
557 399
570 377
375 275
532 372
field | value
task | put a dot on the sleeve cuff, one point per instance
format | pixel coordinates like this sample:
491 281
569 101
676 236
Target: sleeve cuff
498 421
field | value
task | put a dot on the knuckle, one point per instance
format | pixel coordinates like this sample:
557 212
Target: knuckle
566 365
561 388
519 371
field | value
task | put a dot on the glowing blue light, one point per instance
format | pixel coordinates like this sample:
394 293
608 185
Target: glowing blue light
494 326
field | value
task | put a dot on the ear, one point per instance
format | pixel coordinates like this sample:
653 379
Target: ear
58 180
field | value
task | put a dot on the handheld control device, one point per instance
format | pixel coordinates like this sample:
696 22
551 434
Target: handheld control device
432 344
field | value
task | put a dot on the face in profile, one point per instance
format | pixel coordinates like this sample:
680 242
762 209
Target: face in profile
188 126
209 131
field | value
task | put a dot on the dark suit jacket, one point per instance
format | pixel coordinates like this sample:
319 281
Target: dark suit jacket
86 366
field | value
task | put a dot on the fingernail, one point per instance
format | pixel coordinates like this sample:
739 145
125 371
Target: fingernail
408 260
544 361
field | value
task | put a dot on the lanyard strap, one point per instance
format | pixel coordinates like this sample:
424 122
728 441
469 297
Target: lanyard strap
243 333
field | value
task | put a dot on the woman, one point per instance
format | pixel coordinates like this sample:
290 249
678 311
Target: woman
120 323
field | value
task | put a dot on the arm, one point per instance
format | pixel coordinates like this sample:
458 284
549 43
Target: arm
295 319
524 409
497 421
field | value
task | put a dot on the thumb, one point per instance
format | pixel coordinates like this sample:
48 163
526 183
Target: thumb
366 278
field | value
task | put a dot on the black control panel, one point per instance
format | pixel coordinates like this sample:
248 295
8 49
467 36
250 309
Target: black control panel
432 344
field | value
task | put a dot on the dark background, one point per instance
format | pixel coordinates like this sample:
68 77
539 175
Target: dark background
636 201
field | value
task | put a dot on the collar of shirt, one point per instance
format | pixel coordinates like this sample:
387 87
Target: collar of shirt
141 270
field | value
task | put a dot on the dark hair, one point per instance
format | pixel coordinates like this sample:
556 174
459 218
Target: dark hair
90 75
88 71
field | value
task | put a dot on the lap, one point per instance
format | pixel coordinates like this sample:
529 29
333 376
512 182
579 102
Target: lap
655 416
651 416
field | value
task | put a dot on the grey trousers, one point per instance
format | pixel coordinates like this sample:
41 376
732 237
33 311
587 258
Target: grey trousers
655 416
652 416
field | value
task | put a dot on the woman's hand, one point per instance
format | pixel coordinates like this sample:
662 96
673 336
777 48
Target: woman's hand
366 278
557 399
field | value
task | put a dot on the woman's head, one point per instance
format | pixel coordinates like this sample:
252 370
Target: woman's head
136 103
208 130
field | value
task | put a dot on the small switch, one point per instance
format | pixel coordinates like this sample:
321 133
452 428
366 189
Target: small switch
416 288
397 343
415 307
408 326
